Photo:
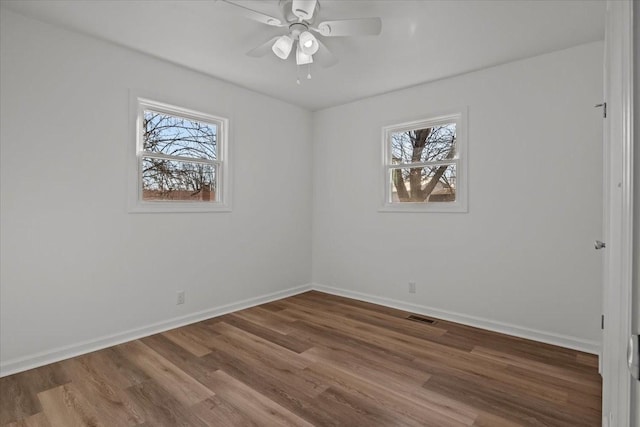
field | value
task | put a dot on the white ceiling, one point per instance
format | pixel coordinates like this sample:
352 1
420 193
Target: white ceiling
421 41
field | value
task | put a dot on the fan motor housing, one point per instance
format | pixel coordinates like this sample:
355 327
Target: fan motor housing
296 28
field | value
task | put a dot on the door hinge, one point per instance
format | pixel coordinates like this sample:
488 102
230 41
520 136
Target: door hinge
602 322
604 109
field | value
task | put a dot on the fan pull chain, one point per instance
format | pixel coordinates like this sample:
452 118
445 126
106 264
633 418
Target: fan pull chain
298 74
309 72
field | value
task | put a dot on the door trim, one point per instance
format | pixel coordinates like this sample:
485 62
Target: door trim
618 263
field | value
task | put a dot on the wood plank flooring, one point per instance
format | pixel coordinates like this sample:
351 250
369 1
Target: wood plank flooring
312 360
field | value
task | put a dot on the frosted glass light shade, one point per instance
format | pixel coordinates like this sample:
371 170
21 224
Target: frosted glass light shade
308 43
301 57
282 47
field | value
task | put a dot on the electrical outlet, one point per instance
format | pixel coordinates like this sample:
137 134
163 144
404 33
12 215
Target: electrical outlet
180 299
412 287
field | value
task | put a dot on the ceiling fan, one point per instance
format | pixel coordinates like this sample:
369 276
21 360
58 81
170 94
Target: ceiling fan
299 17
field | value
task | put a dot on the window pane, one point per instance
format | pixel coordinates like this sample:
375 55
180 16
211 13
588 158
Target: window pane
424 184
174 180
424 145
177 136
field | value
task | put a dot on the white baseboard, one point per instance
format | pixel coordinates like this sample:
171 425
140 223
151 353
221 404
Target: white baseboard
574 343
13 366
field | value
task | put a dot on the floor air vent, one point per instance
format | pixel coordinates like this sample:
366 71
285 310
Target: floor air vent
421 319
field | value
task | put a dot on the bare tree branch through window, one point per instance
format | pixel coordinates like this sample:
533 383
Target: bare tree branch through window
179 156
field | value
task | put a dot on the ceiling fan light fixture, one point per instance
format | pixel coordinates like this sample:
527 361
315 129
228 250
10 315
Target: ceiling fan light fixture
282 47
308 43
304 9
301 57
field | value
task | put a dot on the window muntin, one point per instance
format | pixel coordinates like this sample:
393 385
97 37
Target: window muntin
424 165
181 160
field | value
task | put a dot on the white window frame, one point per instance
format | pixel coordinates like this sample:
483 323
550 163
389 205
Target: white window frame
136 202
459 117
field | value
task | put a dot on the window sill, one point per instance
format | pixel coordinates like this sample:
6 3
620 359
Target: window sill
185 207
422 208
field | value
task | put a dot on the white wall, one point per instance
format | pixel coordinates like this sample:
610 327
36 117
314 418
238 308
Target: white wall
75 265
522 258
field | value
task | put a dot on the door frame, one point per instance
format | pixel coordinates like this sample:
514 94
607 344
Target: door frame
618 219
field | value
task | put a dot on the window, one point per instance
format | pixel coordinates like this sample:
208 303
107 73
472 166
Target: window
424 165
181 162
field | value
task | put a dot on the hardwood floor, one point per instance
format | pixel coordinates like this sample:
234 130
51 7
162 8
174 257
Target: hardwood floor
312 359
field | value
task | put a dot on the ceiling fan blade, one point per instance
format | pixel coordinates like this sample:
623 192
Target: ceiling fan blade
350 27
263 49
304 9
324 57
258 16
